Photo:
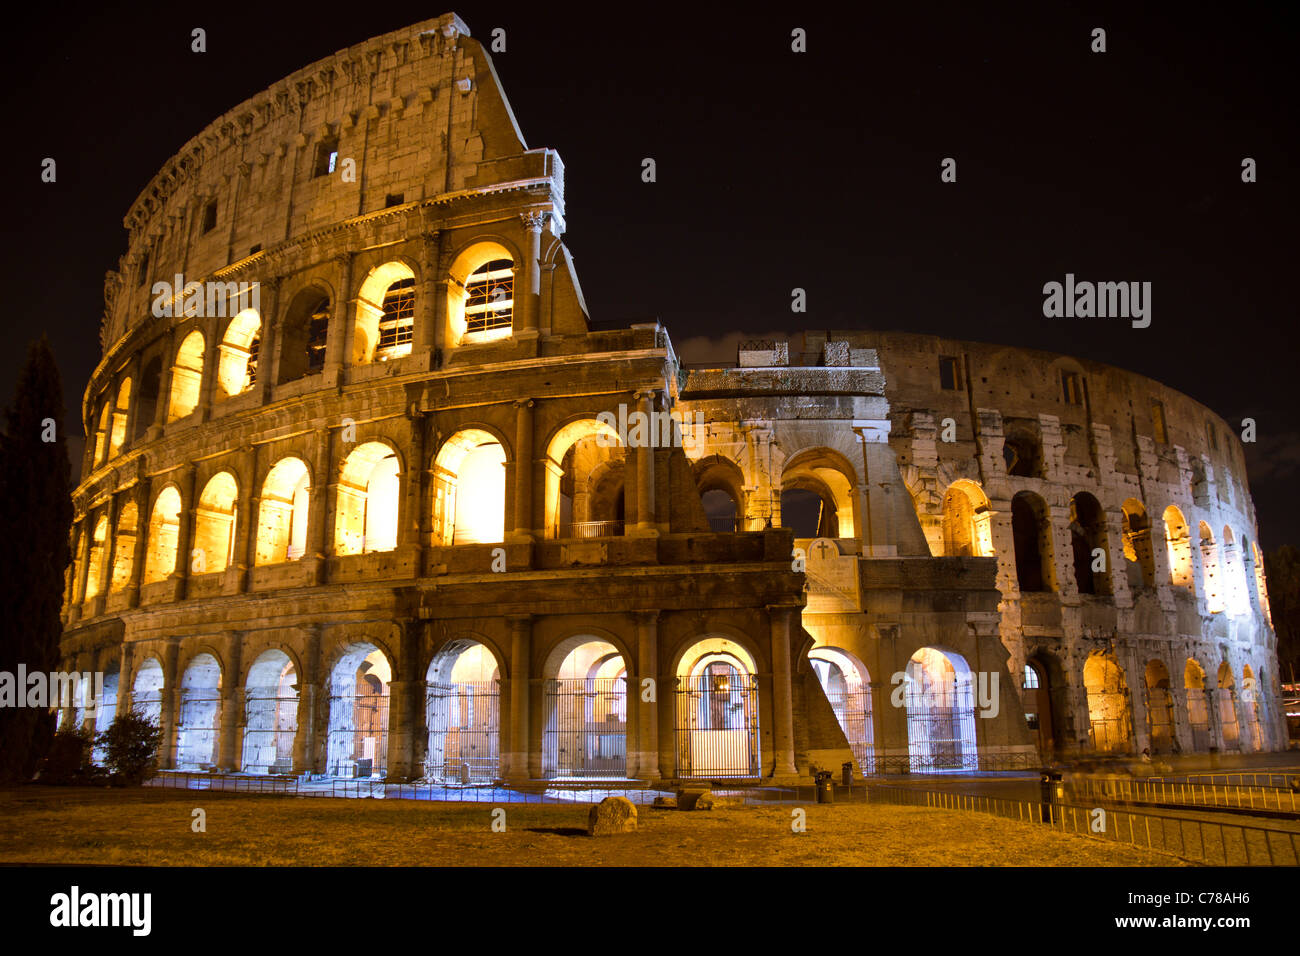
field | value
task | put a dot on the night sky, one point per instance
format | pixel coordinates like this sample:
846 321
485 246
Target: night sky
775 170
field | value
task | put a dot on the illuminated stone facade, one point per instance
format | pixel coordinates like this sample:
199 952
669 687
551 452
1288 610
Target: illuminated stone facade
353 503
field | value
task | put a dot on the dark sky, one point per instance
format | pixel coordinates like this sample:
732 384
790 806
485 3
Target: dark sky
775 170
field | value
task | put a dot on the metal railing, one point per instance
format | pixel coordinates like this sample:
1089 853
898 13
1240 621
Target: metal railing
1186 794
1236 779
1208 841
593 529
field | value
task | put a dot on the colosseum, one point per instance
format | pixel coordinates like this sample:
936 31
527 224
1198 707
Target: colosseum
364 495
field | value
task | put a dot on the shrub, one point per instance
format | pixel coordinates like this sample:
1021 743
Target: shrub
68 760
131 748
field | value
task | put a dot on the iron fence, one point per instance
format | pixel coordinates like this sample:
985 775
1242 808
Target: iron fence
270 723
717 725
1186 794
464 732
585 735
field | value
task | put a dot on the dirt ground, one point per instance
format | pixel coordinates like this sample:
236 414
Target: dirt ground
155 828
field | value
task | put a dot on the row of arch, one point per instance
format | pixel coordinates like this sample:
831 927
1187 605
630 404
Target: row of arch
967 530
480 300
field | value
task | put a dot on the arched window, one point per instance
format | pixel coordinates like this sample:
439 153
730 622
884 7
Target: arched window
721 486
817 491
95 564
1237 600
146 409
117 433
368 494
383 327
1210 574
1178 542
490 300
124 547
164 532
469 489
214 524
967 529
1139 560
576 505
397 324
1031 678
237 362
303 335
282 515
102 434
1198 705
1031 534
1088 539
1021 454
187 374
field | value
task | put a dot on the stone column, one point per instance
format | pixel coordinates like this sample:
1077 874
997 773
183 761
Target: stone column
517 758
645 470
142 489
523 471
208 381
246 503
305 740
427 327
405 691
412 513
185 532
529 297
164 388
339 336
782 700
171 700
232 706
266 364
324 488
647 711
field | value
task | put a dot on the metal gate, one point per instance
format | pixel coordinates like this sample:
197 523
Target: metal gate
941 726
197 730
717 724
358 735
464 732
270 724
853 711
586 728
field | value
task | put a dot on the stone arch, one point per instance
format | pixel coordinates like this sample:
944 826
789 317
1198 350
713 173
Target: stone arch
1198 704
1139 558
282 512
1022 451
1211 576
102 432
717 713
187 376
1237 597
1110 715
1087 536
828 475
147 689
1230 729
238 354
1252 691
1044 704
469 488
573 452
967 521
124 538
463 713
481 293
1031 532
939 698
95 558
357 736
847 685
1178 542
304 332
214 523
146 402
270 712
385 309
584 731
164 534
121 409
1159 707
198 722
368 506
721 486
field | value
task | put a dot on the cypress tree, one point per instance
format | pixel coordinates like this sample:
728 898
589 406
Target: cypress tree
36 517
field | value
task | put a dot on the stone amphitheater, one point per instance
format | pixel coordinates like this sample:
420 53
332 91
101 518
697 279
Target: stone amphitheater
364 495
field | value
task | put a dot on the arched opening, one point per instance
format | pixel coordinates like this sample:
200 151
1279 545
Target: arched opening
940 712
1237 602
164 533
304 335
463 707
1160 708
1261 585
585 732
1227 694
1250 705
469 489
117 434
102 434
722 493
720 508
1040 709
967 524
200 714
95 561
147 690
1031 534
146 403
358 724
847 686
106 709
1198 705
124 547
187 374
368 498
1090 546
238 354
383 327
1210 570
214 524
270 714
817 491
1110 718
584 481
1178 543
1139 560
282 514
1022 454
717 711
481 295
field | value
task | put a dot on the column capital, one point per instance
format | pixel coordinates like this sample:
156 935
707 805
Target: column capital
533 220
524 403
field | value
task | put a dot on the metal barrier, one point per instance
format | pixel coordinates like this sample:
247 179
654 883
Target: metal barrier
1182 793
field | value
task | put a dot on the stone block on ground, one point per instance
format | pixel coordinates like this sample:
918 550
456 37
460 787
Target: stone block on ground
612 815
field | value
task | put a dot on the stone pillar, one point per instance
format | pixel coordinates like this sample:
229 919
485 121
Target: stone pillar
142 489
266 364
324 488
229 749
246 503
412 513
647 712
305 745
185 532
645 470
427 311
529 297
517 758
125 682
523 471
208 382
782 700
171 700
405 693
339 336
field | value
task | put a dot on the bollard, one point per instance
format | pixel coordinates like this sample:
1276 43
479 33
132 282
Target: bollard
825 791
1051 791
846 774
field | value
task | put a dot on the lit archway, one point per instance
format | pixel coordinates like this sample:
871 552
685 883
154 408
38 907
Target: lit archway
1138 557
469 489
1198 705
164 534
270 714
722 493
940 711
717 711
124 539
199 722
817 495
1160 707
481 294
368 501
238 354
1251 691
1178 543
847 686
117 433
1229 728
187 374
463 707
214 524
1032 536
1237 599
585 730
384 324
1110 717
1210 576
282 514
95 560
147 690
358 713
967 525
304 335
574 455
